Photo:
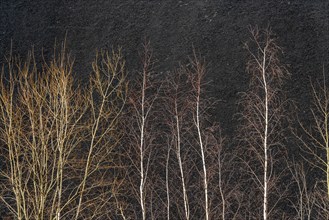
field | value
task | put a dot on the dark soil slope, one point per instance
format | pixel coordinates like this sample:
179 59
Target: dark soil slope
216 28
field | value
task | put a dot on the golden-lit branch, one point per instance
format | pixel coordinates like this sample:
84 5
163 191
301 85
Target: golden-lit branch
318 135
46 121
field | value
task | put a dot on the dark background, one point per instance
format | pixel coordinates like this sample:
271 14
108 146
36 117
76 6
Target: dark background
216 28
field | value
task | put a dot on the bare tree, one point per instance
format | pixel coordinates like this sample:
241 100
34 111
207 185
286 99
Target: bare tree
305 203
142 98
317 144
46 122
193 139
106 98
263 113
176 110
197 74
314 140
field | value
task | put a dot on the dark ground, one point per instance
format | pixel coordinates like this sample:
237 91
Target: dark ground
216 28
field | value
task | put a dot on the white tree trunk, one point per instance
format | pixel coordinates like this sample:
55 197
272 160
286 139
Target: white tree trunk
265 145
142 171
205 181
179 158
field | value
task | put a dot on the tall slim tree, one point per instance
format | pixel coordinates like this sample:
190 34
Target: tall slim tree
263 113
142 98
177 98
196 75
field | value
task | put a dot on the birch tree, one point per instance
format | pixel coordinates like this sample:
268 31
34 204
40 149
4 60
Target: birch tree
177 105
196 75
263 114
142 98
